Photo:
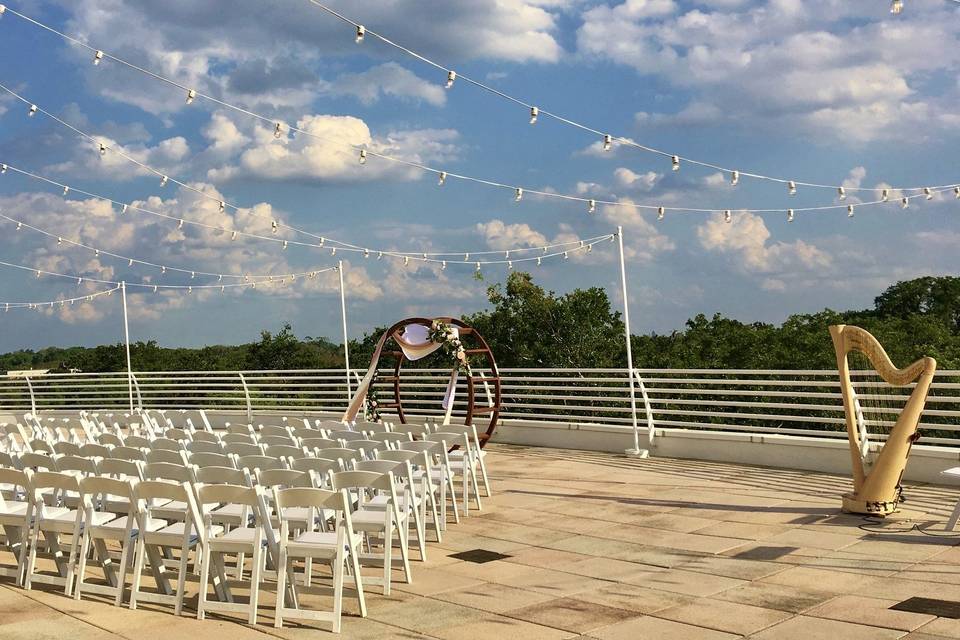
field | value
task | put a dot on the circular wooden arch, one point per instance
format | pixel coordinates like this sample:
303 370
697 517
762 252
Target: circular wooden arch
476 349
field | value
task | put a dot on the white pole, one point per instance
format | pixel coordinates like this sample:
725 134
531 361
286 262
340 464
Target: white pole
343 315
636 451
126 337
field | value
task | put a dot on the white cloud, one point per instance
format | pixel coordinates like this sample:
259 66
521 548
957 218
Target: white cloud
389 79
746 241
636 181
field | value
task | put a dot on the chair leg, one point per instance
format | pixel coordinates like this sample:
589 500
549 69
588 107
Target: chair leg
137 571
255 581
181 579
338 589
952 522
72 559
281 587
82 569
483 475
31 557
204 580
122 577
358 583
387 559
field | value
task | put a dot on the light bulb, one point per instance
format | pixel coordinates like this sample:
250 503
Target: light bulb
789 215
97 57
510 265
193 275
591 206
361 31
466 257
661 213
333 251
451 78
180 224
849 210
164 180
896 7
478 267
3 168
675 163
103 149
905 202
38 273
534 114
734 178
727 216
406 260
278 131
163 269
79 281
791 188
274 227
3 9
539 261
32 111
363 156
130 262
59 241
379 255
154 288
506 255
220 278
19 226
96 252
233 235
191 96
518 194
928 194
223 206
284 244
442 179
123 209
189 289
222 288
566 256
66 190
885 195
607 141
956 192
443 265
841 193
366 253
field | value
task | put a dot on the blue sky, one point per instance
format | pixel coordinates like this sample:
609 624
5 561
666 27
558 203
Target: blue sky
817 90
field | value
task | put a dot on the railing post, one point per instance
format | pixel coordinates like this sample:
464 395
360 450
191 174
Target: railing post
33 399
651 427
136 387
636 450
246 395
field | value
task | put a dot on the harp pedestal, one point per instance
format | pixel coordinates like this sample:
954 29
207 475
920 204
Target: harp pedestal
852 503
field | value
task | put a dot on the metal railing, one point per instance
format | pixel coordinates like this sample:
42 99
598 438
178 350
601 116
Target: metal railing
792 402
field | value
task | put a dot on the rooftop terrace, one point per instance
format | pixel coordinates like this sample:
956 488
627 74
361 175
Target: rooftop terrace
601 546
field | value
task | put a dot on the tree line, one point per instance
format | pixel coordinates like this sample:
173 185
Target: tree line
528 326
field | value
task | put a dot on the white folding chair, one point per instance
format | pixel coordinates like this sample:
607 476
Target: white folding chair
15 517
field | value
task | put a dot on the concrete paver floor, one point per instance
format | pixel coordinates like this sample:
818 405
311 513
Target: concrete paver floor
605 547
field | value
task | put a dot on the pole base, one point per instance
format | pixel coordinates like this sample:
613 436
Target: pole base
637 453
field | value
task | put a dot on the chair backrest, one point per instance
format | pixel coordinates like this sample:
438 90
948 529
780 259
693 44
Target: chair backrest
177 434
331 425
238 430
163 455
41 446
227 494
117 468
160 492
17 480
390 439
91 450
346 456
285 451
371 427
450 440
6 460
53 480
95 486
166 443
380 466
260 462
310 498
347 436
284 478
77 464
417 431
320 443
285 440
128 453
211 460
204 446
363 480
137 441
222 475
241 449
322 468
112 440
37 461
205 436
412 457
274 431
369 448
65 448
167 471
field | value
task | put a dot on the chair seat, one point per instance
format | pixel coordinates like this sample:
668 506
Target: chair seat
239 539
64 522
13 509
172 535
369 520
229 514
120 524
316 544
953 471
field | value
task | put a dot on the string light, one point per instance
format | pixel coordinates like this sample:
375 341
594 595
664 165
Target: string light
363 156
956 192
32 111
661 213
3 9
66 190
164 180
191 96
284 245
510 265
842 193
233 235
896 7
97 57
534 114
734 178
123 209
223 206
566 256
406 260
442 179
103 149
675 163
904 202
849 210
278 131
791 188
539 261
592 206
274 227
451 78
607 141
927 193
180 224
3 169
478 267
727 216
361 31
366 253
885 195
443 265
518 194
789 215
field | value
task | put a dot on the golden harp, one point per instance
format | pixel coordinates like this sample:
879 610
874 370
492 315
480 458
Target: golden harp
877 491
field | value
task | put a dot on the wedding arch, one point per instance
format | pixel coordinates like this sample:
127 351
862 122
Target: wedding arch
415 338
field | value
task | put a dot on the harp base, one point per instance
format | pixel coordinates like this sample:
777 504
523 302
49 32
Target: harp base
852 503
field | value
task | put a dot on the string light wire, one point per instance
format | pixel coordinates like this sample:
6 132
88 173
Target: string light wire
6 306
603 135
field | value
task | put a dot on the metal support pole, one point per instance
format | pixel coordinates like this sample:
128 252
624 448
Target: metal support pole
343 315
126 339
636 450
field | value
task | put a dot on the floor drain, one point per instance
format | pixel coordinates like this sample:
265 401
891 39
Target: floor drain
479 556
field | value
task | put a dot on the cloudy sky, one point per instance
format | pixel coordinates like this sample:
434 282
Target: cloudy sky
825 91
